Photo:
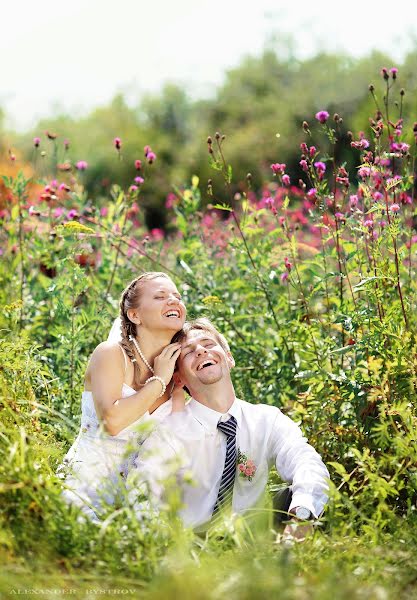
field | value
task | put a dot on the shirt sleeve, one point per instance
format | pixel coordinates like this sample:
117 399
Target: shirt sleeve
298 463
161 464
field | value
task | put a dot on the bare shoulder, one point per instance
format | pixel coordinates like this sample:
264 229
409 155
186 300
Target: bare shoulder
107 351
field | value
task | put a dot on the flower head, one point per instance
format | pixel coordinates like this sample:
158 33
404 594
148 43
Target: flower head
322 116
117 143
151 156
81 165
36 141
394 207
138 165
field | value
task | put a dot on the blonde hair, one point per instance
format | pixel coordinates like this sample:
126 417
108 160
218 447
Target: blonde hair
201 324
130 298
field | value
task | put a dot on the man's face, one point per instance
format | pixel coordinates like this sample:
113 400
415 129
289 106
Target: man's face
203 361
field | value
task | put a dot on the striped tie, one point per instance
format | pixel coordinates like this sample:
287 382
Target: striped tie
229 472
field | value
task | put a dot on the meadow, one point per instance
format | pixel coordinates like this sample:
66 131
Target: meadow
312 278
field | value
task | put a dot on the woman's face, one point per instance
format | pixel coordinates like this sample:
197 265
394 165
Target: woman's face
160 306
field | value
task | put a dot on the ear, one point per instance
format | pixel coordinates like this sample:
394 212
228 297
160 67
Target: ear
132 313
230 360
177 379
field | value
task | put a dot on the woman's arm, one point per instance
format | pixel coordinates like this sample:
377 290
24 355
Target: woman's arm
107 375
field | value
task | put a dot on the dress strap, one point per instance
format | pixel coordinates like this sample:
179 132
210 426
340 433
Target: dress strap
124 355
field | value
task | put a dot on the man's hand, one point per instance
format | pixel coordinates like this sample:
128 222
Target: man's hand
296 531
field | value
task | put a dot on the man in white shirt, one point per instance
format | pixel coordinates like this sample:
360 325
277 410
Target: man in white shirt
228 445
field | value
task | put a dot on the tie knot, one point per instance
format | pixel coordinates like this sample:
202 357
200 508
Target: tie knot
228 427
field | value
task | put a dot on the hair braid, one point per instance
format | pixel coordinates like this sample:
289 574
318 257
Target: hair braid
130 299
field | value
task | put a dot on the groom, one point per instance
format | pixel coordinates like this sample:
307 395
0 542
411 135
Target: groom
227 444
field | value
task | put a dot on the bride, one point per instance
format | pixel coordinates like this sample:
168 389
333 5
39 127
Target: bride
126 384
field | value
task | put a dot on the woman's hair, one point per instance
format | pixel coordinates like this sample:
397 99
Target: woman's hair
130 298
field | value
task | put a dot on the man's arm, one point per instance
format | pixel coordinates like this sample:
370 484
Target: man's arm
298 463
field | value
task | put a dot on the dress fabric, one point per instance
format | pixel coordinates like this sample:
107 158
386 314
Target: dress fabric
95 466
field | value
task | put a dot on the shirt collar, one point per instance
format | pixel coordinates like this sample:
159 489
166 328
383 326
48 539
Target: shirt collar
209 417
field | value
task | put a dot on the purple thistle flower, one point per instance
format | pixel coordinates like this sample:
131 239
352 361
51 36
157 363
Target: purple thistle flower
286 179
81 165
320 166
36 141
139 180
322 116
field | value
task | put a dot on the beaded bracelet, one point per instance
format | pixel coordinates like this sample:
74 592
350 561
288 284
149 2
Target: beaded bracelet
161 381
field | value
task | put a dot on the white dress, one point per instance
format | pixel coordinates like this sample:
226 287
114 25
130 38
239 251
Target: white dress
94 468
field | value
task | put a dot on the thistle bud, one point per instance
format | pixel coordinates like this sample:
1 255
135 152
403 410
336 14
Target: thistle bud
349 136
371 88
249 176
209 140
402 92
336 118
217 136
306 126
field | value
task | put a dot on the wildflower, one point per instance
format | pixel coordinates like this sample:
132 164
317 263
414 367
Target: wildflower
284 276
322 116
33 212
384 73
312 151
368 223
278 168
393 72
353 200
36 142
63 187
287 264
146 150
72 214
361 144
151 156
304 147
50 135
138 165
133 189
282 221
394 207
66 144
320 166
382 224
306 127
117 143
339 216
286 179
81 165
304 165
64 166
12 156
139 180
377 196
312 193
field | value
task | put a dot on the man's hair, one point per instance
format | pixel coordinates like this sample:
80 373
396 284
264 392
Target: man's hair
201 324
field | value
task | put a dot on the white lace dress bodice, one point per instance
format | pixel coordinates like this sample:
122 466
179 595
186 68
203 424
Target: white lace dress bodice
95 465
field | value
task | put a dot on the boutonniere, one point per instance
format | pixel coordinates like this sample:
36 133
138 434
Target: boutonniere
246 466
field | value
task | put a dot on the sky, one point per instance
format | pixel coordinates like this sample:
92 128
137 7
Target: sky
72 56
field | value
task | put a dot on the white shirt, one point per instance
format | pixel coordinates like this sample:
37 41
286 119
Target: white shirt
190 439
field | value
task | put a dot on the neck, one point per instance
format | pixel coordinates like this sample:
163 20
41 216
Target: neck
218 396
152 343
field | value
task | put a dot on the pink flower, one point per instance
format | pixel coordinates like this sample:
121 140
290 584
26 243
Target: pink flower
322 116
72 214
66 144
394 72
151 156
138 165
104 211
63 187
312 151
241 467
117 143
284 276
157 234
146 150
312 193
287 264
394 207
278 168
339 216
139 180
286 179
353 200
304 165
303 147
320 166
368 223
81 165
250 463
59 211
133 188
36 141
377 196
248 472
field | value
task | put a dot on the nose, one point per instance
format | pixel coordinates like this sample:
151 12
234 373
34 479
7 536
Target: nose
200 350
173 300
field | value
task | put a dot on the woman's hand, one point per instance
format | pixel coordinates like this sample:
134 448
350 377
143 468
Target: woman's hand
164 363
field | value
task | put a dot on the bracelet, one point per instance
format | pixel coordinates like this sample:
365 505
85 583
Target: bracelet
161 381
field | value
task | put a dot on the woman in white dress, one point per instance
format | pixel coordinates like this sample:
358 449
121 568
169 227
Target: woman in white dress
127 382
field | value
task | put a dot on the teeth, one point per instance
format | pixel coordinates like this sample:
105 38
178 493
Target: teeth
206 363
173 313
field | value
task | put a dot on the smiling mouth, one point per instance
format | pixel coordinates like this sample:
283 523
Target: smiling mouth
172 314
206 363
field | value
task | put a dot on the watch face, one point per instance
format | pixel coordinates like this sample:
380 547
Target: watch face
303 513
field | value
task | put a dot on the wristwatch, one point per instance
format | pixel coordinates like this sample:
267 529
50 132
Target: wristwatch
302 513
